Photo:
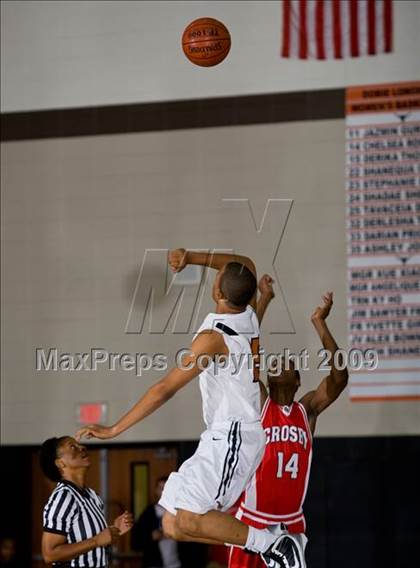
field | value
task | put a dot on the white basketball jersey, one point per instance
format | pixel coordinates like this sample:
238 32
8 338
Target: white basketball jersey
232 393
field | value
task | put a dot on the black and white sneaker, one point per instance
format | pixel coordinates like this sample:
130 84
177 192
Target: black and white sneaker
286 552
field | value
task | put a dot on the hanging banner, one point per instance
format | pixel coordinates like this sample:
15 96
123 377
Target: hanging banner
383 237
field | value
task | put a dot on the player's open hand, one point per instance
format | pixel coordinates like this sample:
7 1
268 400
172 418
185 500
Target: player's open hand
124 522
177 259
321 312
265 286
95 431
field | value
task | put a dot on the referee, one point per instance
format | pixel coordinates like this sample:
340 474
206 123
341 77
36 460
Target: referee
75 532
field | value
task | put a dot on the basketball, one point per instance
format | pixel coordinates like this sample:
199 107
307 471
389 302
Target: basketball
206 42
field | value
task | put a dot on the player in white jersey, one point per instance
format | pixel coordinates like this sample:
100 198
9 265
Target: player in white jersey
231 448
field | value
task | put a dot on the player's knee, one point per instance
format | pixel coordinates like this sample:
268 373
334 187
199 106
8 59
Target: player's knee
188 523
168 525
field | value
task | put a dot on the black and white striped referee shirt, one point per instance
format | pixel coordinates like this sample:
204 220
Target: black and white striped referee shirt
78 514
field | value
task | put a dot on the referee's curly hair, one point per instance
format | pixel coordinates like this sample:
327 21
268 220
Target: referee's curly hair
47 457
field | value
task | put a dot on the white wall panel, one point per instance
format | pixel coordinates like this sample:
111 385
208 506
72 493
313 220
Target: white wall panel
77 216
59 54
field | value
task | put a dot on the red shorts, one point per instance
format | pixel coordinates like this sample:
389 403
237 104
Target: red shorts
238 558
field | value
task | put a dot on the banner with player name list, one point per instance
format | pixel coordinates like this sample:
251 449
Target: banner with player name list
383 237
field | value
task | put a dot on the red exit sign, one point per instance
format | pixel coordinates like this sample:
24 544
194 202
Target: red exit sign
91 413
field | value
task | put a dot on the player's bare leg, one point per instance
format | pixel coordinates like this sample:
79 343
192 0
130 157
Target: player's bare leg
171 530
216 527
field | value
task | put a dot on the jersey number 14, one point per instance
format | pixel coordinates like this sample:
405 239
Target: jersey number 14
291 467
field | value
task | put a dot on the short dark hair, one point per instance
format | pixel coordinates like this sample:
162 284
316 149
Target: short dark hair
47 457
238 284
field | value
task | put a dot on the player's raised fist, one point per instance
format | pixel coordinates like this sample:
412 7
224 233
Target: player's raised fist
321 312
177 259
265 286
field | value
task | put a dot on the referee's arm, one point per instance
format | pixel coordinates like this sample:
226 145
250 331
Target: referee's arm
56 549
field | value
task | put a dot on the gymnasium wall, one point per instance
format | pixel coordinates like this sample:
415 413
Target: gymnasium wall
78 214
71 54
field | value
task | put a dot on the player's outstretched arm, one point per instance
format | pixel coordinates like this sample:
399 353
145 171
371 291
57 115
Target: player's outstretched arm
179 258
333 385
207 343
265 286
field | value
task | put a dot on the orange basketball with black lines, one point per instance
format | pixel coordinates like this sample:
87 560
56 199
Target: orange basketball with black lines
206 42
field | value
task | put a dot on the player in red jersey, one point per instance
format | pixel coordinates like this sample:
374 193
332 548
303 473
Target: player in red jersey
277 490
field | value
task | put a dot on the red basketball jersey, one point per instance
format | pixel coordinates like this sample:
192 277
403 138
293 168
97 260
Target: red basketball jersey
277 490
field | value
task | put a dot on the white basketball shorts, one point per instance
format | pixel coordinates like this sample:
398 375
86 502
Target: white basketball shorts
215 476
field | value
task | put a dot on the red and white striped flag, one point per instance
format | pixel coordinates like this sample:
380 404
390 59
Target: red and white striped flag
326 29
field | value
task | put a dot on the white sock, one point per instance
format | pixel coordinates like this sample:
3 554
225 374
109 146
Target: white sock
259 539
